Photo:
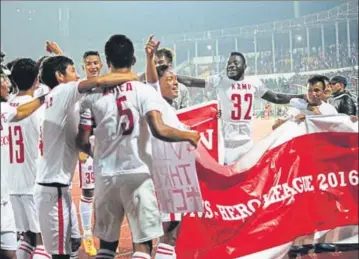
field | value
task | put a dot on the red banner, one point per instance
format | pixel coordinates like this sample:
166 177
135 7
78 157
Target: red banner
303 185
203 118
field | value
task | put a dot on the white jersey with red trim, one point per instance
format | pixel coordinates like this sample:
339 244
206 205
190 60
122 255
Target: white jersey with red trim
23 155
122 135
60 127
7 114
236 99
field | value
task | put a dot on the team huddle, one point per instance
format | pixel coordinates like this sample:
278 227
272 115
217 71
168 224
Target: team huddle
52 122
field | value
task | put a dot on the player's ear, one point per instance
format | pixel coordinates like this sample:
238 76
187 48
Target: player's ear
59 77
133 60
83 67
245 66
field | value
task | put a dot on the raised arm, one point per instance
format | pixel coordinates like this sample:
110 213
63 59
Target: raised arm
151 72
166 133
107 80
191 81
280 98
25 110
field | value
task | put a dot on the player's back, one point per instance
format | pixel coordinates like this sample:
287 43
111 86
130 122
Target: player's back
122 137
23 149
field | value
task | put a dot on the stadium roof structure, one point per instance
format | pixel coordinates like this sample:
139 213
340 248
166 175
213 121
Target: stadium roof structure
346 11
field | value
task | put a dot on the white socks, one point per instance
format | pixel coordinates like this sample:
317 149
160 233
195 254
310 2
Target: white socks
40 253
86 214
24 251
165 251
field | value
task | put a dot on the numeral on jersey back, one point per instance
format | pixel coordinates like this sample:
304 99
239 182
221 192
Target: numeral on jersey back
128 124
16 140
236 113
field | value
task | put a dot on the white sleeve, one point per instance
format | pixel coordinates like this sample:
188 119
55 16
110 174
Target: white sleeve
86 118
150 100
298 103
260 88
156 86
213 81
8 113
70 92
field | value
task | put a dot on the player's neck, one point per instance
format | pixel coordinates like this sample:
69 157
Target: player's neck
120 70
238 78
29 92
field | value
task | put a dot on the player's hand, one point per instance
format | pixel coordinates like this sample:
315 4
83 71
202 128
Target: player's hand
219 114
53 47
151 47
353 118
313 109
300 117
83 156
277 123
194 138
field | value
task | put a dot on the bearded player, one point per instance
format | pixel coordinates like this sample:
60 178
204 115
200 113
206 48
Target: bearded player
236 93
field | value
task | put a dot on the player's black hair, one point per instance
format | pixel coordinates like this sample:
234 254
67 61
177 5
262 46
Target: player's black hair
168 53
90 53
317 79
119 51
24 72
52 65
161 70
239 54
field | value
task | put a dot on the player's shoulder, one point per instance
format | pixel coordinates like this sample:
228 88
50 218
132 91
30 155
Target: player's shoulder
254 80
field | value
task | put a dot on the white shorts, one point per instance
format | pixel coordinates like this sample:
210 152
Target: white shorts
86 174
8 238
169 217
130 194
53 206
25 213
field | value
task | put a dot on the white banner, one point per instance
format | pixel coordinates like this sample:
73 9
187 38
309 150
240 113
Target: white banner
175 177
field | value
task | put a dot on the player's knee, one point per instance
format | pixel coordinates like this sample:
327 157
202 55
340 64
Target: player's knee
5 254
88 193
75 244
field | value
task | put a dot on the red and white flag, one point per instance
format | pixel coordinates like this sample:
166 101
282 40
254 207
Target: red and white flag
300 179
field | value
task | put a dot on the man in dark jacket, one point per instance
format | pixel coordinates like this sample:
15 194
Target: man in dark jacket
341 99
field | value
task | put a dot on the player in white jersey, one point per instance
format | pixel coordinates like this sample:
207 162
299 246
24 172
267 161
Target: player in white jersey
92 65
123 180
164 80
313 106
56 167
236 93
23 158
8 237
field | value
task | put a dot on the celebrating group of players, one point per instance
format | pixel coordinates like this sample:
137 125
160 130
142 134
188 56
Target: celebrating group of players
50 115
